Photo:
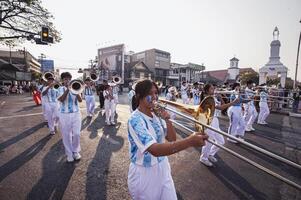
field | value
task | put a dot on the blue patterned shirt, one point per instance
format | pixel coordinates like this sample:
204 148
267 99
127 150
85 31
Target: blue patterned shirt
143 131
70 105
52 94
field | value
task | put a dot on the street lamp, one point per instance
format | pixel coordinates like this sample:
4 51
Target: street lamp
296 72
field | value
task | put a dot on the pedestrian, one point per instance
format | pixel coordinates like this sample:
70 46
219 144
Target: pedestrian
264 110
149 175
109 105
70 119
296 97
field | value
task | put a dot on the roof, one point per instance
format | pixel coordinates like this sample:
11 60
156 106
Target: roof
223 74
9 67
138 65
234 59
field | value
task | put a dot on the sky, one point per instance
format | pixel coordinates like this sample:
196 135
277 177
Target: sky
199 31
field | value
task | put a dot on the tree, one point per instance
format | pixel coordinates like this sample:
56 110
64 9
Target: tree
249 75
23 19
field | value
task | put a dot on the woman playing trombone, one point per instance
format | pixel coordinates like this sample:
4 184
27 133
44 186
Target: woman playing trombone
209 150
149 174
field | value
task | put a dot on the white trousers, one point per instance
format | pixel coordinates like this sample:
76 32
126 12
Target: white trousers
250 115
147 183
44 103
237 122
90 105
110 108
264 111
51 110
209 149
185 99
70 127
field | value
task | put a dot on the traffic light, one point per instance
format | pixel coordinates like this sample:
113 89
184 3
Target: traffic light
45 34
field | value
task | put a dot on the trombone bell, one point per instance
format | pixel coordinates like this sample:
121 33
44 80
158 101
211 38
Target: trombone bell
76 86
46 75
116 79
94 77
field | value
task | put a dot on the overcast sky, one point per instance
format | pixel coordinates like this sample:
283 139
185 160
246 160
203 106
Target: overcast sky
198 31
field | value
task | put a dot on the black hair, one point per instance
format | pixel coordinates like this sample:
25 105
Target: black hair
66 75
205 91
235 85
142 89
88 79
249 82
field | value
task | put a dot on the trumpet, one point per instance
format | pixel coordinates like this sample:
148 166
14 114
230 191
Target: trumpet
46 75
94 77
57 85
159 84
206 110
116 79
76 86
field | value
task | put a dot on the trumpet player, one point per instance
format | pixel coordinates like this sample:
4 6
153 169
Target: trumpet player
44 99
88 95
70 119
250 110
149 175
208 150
109 104
50 95
196 94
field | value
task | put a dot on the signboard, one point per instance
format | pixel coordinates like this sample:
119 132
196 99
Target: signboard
111 62
23 76
47 65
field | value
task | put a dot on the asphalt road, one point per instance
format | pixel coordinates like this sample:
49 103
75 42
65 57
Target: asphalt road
33 165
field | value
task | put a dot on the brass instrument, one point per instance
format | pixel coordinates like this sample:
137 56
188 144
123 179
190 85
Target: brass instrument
116 79
57 85
46 75
159 84
203 112
76 86
202 115
94 77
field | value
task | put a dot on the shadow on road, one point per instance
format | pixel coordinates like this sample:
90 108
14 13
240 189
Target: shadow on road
56 175
26 108
22 158
98 168
21 136
236 183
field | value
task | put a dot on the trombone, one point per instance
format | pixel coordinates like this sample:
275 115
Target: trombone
206 124
76 86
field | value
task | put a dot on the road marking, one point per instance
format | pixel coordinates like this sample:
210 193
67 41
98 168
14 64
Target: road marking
26 115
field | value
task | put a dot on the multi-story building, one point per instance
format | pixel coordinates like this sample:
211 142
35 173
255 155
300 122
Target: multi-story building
157 61
22 59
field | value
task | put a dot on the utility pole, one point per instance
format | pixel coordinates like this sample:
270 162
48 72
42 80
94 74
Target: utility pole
296 72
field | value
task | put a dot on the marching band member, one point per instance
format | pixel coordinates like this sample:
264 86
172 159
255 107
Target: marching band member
264 110
43 99
88 94
115 90
172 96
196 94
209 150
250 110
237 123
51 108
130 96
149 175
184 89
70 119
109 104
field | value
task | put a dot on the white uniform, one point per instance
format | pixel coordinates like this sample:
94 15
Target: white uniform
209 149
109 107
149 177
237 122
44 101
250 110
196 96
171 97
90 100
131 95
51 108
70 122
264 108
184 95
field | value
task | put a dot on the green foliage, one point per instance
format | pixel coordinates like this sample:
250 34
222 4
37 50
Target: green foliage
22 17
254 76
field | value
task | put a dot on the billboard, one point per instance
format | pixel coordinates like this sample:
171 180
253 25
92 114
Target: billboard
23 76
46 65
111 62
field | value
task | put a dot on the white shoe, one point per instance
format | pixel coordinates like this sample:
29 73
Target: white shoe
212 159
260 123
70 159
52 133
206 162
248 129
252 129
108 123
264 122
76 156
233 141
241 138
113 123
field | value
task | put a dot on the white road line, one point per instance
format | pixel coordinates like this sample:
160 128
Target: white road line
25 115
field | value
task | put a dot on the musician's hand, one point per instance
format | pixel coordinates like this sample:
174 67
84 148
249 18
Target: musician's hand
197 139
164 114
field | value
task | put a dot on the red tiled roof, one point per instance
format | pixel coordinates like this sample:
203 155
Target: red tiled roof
222 74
